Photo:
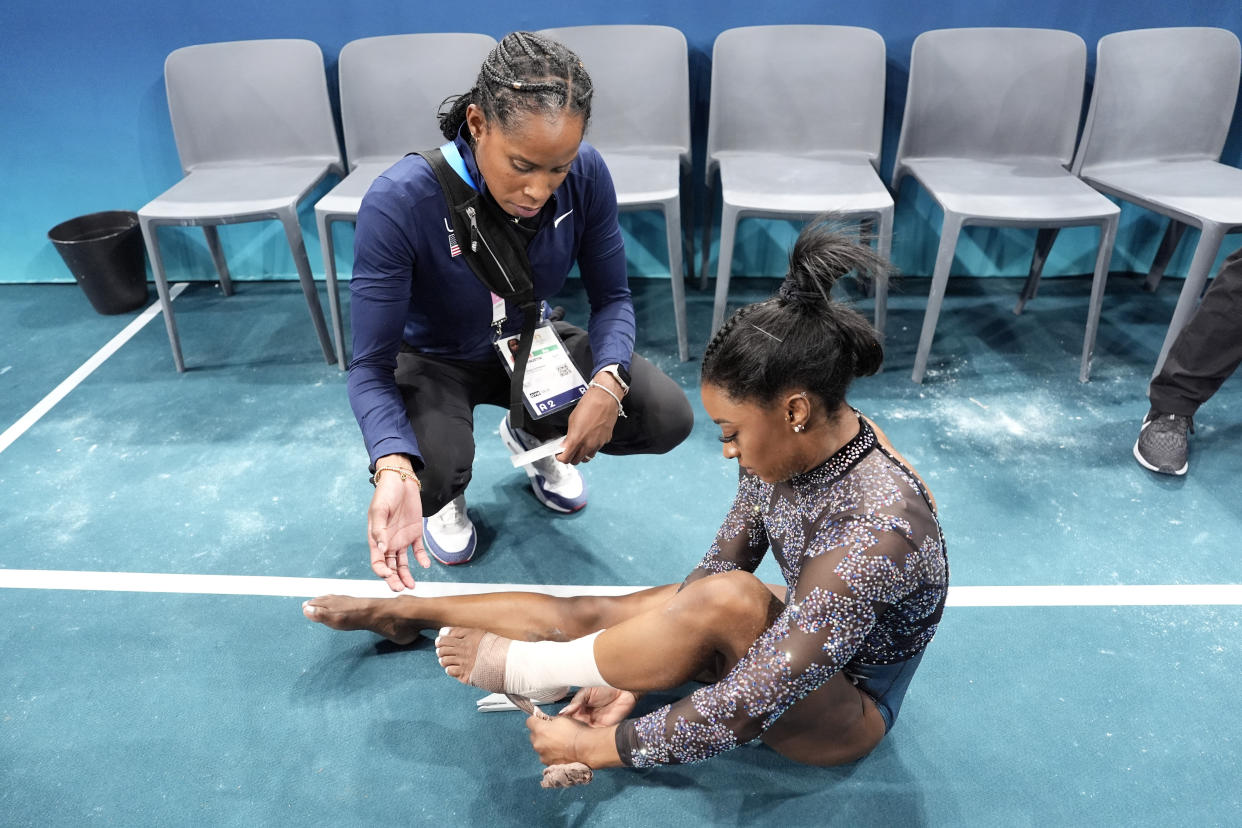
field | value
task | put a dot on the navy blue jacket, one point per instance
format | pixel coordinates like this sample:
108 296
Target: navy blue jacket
407 286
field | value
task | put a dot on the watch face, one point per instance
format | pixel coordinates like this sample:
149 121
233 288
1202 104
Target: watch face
624 374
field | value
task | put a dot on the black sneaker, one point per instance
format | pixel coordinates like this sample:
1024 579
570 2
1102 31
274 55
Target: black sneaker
1162 444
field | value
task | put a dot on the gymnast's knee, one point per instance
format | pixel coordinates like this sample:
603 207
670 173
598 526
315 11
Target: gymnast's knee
727 598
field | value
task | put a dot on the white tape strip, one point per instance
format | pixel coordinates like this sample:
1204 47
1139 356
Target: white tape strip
537 453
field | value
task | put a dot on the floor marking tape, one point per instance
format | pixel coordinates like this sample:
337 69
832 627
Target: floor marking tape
1115 595
85 370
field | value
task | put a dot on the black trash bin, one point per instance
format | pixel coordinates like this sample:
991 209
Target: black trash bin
105 254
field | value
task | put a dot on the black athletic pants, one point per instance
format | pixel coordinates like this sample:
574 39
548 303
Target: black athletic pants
1207 351
441 394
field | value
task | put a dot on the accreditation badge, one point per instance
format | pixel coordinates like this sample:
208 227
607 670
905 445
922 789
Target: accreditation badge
552 381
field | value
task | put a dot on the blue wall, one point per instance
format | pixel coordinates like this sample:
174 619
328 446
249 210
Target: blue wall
85 122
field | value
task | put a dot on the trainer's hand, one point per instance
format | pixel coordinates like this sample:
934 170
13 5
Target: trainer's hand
591 422
600 706
394 525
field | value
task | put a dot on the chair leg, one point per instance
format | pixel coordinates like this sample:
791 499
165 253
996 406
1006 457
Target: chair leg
688 231
334 299
866 229
293 232
1168 245
705 255
161 286
217 258
1043 244
1104 255
1196 276
950 229
724 263
884 246
672 222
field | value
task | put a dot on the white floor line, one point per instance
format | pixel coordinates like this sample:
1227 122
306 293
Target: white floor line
1146 595
85 370
262 584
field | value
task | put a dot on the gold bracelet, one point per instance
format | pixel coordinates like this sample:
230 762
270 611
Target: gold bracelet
402 473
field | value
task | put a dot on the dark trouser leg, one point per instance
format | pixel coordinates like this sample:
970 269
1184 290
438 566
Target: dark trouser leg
1207 351
440 396
657 417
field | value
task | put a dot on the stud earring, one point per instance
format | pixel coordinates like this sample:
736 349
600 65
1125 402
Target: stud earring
799 428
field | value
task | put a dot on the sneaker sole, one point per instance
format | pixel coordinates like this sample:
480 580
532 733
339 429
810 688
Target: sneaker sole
453 559
1142 462
515 447
548 502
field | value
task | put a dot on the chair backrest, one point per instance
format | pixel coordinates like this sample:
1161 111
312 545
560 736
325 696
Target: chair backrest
392 87
1161 94
993 93
797 90
250 101
641 77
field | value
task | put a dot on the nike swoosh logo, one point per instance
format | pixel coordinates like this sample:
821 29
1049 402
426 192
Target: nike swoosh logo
560 218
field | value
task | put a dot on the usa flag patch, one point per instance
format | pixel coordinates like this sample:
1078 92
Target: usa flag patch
454 250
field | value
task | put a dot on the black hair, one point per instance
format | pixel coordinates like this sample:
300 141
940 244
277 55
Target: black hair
801 339
526 73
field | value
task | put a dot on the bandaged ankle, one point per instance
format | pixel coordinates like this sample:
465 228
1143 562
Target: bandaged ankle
540 664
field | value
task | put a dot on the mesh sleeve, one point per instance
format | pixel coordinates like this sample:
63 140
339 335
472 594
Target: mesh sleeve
742 539
852 569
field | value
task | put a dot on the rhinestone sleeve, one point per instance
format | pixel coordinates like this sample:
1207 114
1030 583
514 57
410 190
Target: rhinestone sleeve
742 539
864 559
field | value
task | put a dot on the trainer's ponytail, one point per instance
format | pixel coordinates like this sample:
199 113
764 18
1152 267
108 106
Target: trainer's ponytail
801 338
452 113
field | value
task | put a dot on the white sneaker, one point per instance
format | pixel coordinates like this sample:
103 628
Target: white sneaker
557 485
448 535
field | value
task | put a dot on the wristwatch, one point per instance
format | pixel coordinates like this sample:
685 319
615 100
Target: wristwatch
621 375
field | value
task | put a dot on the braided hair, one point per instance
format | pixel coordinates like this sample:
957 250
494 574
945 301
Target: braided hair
526 73
801 338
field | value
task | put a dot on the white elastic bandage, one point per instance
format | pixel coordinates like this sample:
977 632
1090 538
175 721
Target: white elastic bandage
540 664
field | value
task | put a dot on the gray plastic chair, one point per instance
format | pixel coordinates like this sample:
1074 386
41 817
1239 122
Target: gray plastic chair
391 89
255 135
640 123
830 81
1160 112
989 127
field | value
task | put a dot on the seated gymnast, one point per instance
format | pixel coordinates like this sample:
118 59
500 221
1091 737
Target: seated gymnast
817 668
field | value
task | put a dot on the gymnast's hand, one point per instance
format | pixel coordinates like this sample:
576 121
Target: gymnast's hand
591 422
554 739
394 524
600 706
560 740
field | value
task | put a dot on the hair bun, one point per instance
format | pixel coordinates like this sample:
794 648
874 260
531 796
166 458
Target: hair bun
791 295
826 250
801 339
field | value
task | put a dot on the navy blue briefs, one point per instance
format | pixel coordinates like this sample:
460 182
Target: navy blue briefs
885 683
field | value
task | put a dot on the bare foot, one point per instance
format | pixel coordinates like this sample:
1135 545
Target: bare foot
473 657
478 658
388 617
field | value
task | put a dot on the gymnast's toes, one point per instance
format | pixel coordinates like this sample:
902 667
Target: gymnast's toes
455 650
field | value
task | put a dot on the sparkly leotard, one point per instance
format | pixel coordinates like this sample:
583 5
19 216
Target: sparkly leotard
862 552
